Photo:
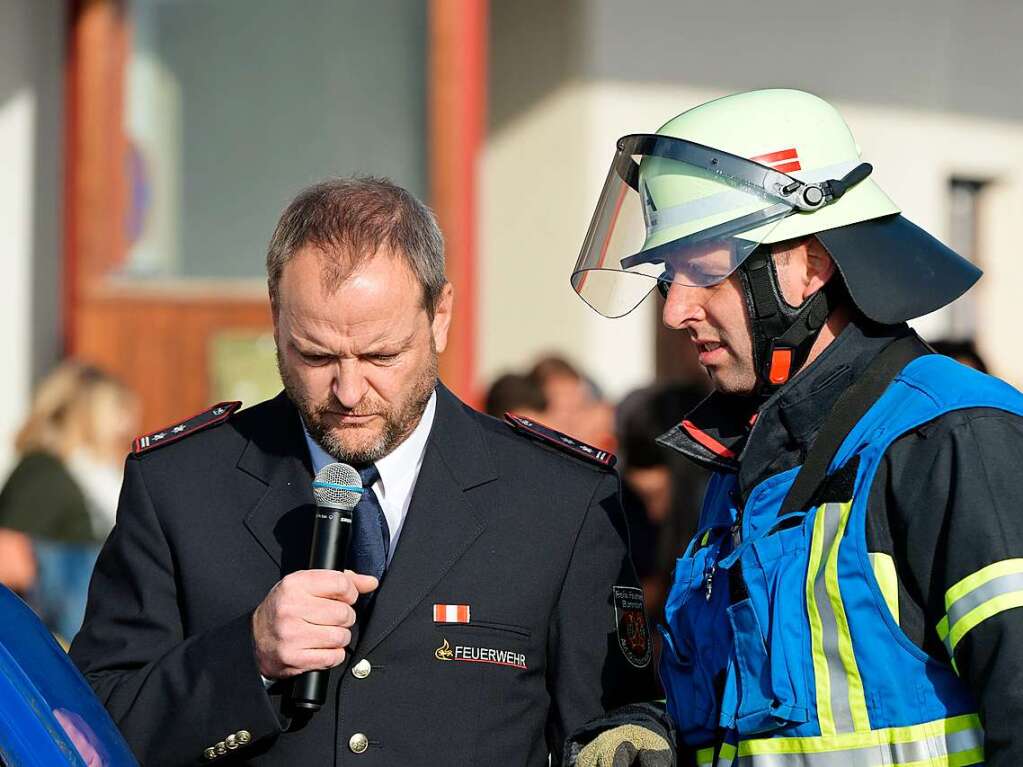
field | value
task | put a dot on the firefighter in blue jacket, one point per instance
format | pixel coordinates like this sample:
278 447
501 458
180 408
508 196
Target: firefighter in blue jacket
850 596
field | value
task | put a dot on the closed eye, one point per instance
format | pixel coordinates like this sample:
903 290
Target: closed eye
316 360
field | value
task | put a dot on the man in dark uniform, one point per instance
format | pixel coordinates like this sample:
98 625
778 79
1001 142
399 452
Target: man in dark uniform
490 606
851 595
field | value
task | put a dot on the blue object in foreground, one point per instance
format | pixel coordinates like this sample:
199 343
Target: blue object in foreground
48 713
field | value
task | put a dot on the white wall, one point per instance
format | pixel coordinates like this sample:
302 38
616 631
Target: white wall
30 95
537 195
17 114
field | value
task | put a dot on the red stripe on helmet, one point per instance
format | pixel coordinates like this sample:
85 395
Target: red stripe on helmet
771 157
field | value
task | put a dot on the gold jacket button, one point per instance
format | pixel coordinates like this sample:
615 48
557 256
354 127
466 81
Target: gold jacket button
358 743
231 741
361 669
210 753
221 748
244 736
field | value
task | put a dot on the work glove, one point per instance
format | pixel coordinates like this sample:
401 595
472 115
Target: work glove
627 745
636 735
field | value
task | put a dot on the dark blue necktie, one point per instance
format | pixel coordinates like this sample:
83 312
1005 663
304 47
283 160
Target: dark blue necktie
371 538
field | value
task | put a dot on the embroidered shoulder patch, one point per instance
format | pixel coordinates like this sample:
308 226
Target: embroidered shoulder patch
209 417
630 624
563 442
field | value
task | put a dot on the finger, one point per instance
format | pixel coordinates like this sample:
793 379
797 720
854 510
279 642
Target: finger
625 755
655 759
331 584
318 660
364 584
329 612
325 637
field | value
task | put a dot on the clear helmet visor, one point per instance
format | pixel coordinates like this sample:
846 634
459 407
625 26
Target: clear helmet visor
663 219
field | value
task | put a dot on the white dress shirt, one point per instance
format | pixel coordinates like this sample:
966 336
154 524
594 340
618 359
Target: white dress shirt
399 471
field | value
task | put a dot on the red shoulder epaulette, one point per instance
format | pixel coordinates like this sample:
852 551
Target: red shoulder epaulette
209 417
561 441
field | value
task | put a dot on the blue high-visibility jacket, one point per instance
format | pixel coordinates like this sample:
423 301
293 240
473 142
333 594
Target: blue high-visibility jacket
781 642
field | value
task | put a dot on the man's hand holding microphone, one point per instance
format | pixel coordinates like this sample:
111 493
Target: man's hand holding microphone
305 622
304 625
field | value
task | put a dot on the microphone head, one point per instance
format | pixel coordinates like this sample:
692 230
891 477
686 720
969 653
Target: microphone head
337 486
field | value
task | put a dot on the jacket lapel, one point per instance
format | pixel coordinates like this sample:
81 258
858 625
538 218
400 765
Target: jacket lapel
441 523
277 455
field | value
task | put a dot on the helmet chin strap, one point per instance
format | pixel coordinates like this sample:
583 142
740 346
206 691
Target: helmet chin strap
782 334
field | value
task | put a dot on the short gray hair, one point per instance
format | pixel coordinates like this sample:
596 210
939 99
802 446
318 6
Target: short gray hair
349 220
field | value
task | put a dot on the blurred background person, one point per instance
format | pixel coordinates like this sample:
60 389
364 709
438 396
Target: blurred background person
961 350
518 394
575 405
662 492
58 504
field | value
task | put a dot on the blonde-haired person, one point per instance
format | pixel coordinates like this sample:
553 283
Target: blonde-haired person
58 504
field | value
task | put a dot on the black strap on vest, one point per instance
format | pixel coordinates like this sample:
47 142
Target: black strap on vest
850 408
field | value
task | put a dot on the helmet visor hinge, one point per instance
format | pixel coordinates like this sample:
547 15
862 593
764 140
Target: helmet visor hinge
810 197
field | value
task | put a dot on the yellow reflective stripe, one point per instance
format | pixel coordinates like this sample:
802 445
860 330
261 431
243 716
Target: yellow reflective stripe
982 576
726 755
974 599
887 580
820 744
857 699
705 538
820 661
982 613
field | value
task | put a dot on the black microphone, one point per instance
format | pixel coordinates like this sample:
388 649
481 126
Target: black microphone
337 488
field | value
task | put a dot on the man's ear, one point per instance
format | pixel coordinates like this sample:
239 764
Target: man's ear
275 317
442 317
820 267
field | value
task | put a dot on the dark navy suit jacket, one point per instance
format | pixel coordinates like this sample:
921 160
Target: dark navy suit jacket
533 540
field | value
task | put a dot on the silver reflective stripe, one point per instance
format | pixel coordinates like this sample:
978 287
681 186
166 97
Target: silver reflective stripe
703 207
964 740
836 671
1005 584
923 750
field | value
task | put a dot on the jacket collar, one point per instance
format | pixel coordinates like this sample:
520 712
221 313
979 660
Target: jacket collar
276 455
759 438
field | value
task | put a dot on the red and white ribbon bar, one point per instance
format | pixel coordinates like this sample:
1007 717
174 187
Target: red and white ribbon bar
451 613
